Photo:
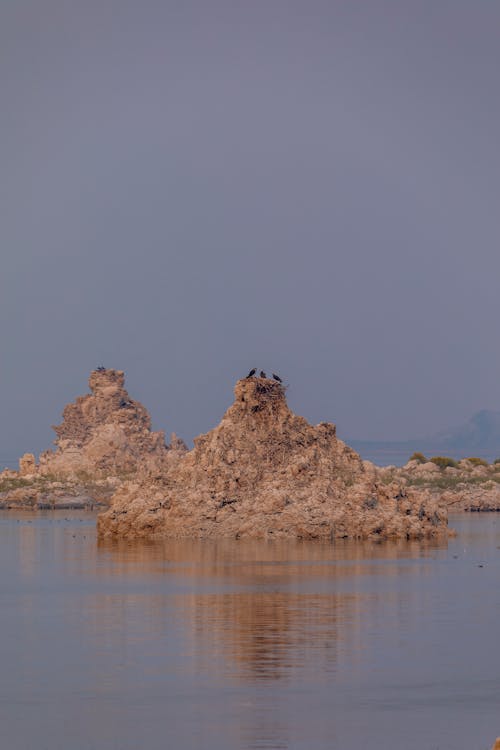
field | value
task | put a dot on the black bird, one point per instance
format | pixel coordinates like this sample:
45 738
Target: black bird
101 368
252 372
277 377
263 374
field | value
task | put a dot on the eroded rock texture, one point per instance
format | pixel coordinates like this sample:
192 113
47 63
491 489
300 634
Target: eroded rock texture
104 438
104 433
265 473
471 485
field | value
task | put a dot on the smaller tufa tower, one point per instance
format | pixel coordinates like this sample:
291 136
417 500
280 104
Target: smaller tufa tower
27 465
104 433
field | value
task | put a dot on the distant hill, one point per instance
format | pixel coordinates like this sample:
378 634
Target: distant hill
481 432
480 436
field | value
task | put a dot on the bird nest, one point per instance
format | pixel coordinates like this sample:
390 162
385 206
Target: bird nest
270 390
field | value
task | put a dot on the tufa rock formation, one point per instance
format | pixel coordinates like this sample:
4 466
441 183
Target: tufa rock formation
27 465
104 433
104 437
266 473
470 485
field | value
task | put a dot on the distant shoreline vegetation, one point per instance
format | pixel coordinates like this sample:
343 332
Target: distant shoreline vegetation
398 454
444 462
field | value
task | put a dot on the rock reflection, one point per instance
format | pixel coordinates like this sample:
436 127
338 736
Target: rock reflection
267 611
246 645
268 636
240 559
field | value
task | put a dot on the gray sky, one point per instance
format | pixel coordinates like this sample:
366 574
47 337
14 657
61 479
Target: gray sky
190 189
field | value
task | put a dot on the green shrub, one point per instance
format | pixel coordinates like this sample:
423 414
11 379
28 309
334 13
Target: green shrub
15 483
444 462
418 457
496 461
475 461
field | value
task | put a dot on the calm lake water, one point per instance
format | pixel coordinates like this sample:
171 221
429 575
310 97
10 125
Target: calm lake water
239 645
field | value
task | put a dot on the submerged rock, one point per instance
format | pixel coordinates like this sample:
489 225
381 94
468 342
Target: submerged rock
265 472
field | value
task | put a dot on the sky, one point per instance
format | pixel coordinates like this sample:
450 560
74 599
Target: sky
190 189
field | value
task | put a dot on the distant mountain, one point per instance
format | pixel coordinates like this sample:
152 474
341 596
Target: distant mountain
481 432
480 436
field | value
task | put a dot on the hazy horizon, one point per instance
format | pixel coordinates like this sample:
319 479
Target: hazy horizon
193 189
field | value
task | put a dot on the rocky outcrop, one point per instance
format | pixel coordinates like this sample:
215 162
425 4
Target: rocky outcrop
27 465
104 433
103 438
44 492
467 485
266 473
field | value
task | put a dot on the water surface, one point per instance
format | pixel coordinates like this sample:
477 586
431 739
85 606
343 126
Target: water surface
239 645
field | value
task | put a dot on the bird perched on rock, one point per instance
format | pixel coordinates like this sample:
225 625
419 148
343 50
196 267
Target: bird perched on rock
277 377
263 374
252 372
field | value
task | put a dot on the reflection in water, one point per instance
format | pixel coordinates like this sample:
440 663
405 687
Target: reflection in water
255 613
290 610
189 644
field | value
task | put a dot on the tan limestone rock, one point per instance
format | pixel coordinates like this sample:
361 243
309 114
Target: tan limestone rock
27 465
266 473
426 468
464 487
177 443
8 474
104 433
104 437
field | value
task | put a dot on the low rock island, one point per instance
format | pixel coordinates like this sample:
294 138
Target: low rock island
264 472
